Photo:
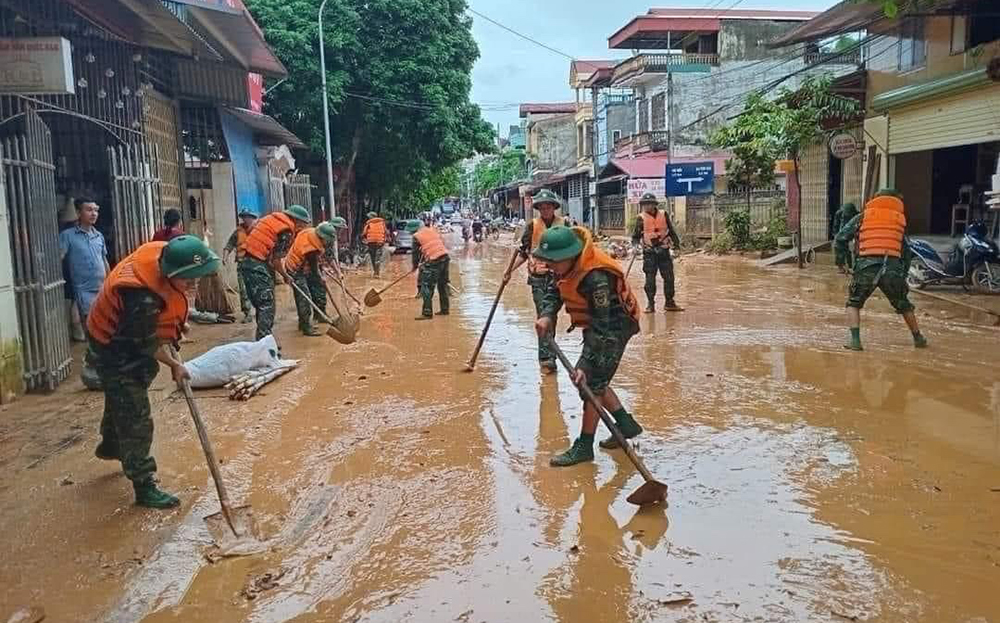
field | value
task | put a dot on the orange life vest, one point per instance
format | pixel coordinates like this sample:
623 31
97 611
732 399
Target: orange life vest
374 232
431 245
262 239
538 228
241 241
592 259
883 225
306 241
141 269
655 226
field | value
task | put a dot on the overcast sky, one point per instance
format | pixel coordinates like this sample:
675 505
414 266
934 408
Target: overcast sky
511 70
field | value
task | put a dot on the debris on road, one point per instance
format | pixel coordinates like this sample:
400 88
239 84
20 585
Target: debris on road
244 386
33 614
262 583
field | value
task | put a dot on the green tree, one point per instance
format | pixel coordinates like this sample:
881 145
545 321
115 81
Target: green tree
399 76
892 8
753 146
506 167
784 126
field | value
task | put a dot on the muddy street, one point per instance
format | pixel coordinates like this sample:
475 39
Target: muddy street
806 482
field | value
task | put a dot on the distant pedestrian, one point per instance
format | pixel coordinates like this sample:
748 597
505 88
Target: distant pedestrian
430 254
238 242
375 234
657 235
171 226
883 262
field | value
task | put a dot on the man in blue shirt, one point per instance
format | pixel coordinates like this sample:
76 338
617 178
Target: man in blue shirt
86 254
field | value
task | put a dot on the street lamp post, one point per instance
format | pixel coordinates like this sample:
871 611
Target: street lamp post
326 126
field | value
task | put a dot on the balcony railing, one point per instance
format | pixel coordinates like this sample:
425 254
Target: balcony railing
655 140
661 64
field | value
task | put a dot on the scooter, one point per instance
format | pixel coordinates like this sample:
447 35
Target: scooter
973 262
477 232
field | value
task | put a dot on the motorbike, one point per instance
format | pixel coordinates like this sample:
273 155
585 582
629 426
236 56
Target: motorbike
477 232
974 262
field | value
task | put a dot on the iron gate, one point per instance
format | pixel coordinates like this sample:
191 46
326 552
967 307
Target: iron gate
136 199
298 190
29 174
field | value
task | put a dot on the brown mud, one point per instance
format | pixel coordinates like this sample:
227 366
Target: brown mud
807 483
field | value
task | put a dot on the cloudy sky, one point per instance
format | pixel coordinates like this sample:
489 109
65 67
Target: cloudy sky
511 70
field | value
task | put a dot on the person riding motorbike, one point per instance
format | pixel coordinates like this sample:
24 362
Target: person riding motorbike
477 230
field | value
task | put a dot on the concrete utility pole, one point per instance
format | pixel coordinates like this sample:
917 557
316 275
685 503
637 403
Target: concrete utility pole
326 126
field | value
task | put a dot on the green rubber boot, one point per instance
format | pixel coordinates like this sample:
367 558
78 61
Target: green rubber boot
149 495
628 427
919 341
579 452
855 341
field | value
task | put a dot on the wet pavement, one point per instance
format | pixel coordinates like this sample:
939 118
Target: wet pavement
807 483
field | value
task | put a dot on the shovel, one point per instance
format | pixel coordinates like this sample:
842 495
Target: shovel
652 491
374 297
332 332
469 367
230 522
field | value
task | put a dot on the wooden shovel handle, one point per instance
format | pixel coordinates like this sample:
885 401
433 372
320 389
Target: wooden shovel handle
605 416
312 303
382 291
493 310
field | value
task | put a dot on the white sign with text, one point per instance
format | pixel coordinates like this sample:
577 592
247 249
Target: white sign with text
637 187
36 65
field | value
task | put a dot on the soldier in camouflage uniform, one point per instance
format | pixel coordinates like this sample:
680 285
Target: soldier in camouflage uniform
593 288
539 276
882 261
655 231
268 243
305 272
237 243
135 325
430 254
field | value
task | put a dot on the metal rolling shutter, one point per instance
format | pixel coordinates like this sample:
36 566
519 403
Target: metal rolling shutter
964 119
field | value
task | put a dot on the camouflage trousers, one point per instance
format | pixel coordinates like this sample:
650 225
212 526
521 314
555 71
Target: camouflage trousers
244 299
375 252
658 261
888 275
127 425
434 274
312 283
258 278
601 356
539 285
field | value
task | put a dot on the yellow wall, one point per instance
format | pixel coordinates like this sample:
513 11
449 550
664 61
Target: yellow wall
883 75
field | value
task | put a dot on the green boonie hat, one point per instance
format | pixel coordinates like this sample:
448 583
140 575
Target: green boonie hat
648 198
299 213
338 222
413 225
546 196
248 212
558 244
889 192
372 214
188 257
326 231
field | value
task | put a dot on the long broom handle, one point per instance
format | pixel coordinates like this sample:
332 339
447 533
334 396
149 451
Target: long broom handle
415 269
206 446
635 254
605 416
493 310
312 303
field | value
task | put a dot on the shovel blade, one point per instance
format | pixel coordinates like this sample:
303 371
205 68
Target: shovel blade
651 492
243 522
372 298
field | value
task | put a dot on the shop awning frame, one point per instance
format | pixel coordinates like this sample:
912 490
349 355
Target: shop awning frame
914 93
266 129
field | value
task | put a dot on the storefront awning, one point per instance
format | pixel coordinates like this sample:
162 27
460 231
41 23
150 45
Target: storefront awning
554 179
267 131
913 93
242 38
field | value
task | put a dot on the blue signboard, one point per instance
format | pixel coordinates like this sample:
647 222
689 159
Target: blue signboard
690 178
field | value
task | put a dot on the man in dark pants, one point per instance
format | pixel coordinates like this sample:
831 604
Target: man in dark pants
432 256
539 275
135 324
592 287
302 264
656 232
375 234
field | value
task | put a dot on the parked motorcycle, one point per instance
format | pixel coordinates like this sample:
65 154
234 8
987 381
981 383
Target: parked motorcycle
974 262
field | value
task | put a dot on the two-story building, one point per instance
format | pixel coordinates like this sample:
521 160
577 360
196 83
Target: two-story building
690 72
932 106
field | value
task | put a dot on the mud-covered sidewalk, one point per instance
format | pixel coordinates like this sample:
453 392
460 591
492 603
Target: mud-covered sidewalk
807 483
